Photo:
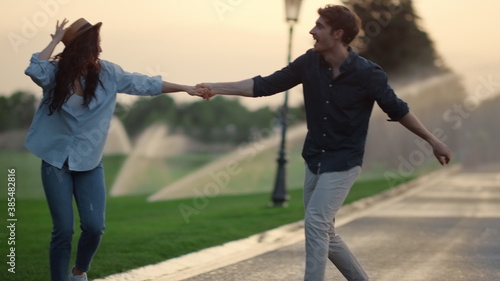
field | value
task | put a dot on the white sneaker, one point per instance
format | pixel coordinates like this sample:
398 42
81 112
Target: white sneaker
73 277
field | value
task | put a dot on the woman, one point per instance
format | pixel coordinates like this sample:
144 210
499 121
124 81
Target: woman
68 133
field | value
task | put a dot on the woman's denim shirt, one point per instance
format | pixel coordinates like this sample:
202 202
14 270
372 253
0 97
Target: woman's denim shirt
80 138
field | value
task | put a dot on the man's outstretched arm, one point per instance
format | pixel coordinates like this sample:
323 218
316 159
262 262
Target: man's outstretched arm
441 150
240 88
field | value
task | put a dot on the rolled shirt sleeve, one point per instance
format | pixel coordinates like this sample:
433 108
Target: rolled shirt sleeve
136 83
384 95
42 72
280 81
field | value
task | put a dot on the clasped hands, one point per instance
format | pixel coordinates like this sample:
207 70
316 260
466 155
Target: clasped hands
202 90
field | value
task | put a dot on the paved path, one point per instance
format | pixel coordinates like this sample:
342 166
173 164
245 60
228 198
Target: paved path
441 227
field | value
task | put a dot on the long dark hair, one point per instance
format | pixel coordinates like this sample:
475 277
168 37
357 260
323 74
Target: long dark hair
79 58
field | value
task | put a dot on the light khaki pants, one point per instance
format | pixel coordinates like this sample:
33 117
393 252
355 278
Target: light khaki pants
324 194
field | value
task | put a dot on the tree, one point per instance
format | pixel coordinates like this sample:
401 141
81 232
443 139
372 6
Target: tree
17 111
223 120
391 37
145 111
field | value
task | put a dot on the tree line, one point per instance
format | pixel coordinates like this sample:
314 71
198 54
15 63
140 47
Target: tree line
221 120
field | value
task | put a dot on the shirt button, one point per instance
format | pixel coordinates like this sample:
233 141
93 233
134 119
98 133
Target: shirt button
327 101
324 118
330 85
322 150
324 135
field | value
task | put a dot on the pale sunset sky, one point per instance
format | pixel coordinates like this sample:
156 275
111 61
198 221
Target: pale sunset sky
194 41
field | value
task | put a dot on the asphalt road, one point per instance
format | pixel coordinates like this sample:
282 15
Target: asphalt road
444 229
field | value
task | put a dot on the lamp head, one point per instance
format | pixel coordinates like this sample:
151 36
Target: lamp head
292 10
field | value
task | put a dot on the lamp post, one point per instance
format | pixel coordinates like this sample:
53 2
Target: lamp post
279 195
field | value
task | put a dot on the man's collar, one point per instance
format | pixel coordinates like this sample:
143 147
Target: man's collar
350 58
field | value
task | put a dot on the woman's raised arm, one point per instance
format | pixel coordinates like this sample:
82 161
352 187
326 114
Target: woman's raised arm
46 53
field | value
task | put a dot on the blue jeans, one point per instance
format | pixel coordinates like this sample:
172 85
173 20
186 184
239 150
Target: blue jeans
88 188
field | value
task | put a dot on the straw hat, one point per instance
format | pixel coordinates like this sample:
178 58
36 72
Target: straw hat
76 29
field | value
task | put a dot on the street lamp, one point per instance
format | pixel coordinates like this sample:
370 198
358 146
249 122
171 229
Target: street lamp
279 195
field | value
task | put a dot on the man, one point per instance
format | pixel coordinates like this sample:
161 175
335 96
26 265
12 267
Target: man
340 89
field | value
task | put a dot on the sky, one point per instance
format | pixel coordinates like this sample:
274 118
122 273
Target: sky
193 41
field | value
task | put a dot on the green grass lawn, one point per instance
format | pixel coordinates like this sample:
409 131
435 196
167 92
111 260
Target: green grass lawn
140 233
27 166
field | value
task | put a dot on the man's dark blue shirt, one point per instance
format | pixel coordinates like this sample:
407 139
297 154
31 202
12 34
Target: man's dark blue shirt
338 110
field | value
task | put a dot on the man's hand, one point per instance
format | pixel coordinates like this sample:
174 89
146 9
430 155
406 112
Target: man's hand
442 152
204 91
169 87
